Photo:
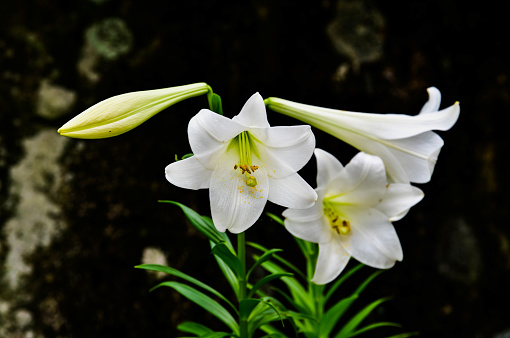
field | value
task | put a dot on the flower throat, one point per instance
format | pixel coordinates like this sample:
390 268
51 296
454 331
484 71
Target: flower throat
341 226
245 165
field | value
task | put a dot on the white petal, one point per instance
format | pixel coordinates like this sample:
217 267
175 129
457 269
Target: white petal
314 227
399 198
253 113
434 101
327 167
209 134
292 192
362 182
383 126
234 205
331 261
372 240
284 150
189 174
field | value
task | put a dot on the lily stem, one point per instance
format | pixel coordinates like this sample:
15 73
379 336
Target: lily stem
241 252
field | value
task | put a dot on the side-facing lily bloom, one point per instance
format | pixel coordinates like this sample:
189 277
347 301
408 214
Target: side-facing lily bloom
119 114
405 143
353 215
244 162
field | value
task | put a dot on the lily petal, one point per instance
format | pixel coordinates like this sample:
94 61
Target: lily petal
331 262
291 191
285 150
373 239
399 198
308 224
234 205
253 113
327 167
189 174
434 101
390 136
208 133
362 182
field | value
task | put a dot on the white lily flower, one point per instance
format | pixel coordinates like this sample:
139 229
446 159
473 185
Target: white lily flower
244 162
405 143
119 114
353 214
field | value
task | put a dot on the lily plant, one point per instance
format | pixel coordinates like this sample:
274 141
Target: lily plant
244 162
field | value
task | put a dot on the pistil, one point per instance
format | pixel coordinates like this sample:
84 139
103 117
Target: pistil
245 165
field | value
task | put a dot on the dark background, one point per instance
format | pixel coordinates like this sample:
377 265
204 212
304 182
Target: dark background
381 57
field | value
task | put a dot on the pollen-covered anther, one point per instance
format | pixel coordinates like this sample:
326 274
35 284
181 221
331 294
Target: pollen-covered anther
254 167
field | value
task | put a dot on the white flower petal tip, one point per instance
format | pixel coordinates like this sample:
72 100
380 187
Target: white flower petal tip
405 143
188 174
244 163
119 114
352 217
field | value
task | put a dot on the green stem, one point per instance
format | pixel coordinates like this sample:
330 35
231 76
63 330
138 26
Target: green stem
241 252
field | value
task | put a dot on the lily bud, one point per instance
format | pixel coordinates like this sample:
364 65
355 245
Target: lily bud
121 113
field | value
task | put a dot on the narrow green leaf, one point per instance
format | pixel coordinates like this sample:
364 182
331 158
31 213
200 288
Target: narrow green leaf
195 328
265 257
227 272
223 235
222 251
246 306
277 257
217 335
177 273
367 281
353 323
205 302
341 280
299 294
331 317
275 218
374 326
267 279
199 223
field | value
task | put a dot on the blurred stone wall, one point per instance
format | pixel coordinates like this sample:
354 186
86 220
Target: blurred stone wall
77 215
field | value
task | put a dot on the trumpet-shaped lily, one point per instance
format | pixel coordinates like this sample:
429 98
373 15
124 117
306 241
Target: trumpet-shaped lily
405 143
353 215
121 113
244 162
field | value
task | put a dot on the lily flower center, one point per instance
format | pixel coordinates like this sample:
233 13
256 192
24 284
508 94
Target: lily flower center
246 147
341 225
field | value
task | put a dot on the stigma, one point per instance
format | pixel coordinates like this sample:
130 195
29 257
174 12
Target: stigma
339 225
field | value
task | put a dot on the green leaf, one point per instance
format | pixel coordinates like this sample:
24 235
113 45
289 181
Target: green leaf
267 279
246 306
227 272
277 257
265 257
303 300
341 280
331 317
265 312
222 251
353 323
205 302
195 328
200 223
217 335
374 326
177 273
276 218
